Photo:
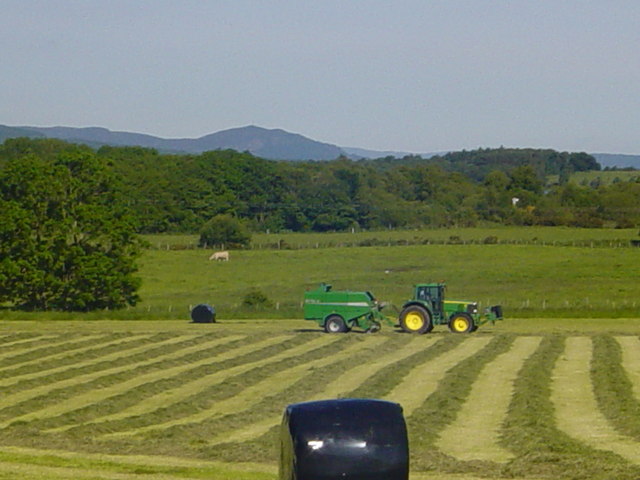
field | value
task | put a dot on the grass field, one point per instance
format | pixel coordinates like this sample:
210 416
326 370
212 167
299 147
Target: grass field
604 177
478 235
555 273
551 278
526 399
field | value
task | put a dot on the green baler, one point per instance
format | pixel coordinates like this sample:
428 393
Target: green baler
340 311
428 307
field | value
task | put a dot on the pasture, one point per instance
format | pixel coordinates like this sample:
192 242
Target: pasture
597 177
604 177
173 400
532 272
556 272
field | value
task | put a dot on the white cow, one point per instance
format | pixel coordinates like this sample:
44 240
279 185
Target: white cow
223 256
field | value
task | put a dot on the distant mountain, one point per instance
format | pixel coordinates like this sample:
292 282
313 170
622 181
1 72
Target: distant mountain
96 136
272 144
617 160
14 132
275 144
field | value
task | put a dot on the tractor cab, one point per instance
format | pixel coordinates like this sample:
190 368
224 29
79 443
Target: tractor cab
433 295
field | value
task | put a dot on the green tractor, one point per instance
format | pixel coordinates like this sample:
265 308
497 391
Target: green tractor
428 308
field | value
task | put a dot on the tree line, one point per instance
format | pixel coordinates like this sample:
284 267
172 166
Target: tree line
181 193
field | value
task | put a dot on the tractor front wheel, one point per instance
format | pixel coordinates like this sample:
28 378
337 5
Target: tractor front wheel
335 324
461 323
415 319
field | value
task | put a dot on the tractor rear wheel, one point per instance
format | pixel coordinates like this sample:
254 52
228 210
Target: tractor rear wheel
335 324
461 323
415 319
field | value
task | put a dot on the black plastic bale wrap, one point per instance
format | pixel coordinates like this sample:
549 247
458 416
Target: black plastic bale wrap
346 439
203 314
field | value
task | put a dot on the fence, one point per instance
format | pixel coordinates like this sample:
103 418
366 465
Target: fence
374 242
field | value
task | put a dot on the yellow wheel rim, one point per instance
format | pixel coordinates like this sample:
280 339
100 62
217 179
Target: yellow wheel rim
460 324
414 321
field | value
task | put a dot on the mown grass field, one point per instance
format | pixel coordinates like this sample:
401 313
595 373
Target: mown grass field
172 400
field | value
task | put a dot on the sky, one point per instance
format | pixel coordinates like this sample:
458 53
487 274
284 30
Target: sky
403 75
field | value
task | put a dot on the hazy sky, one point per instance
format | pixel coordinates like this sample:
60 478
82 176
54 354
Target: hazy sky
410 75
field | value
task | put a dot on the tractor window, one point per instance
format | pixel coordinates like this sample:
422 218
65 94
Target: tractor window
424 294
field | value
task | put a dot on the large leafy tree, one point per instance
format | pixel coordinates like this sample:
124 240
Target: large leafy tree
66 242
224 230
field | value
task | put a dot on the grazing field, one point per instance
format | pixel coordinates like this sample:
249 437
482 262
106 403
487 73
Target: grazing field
528 280
528 399
604 177
531 272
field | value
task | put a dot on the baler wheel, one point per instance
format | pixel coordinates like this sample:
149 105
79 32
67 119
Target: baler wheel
461 323
415 319
335 324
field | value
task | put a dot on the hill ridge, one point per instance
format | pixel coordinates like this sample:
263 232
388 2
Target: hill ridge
268 143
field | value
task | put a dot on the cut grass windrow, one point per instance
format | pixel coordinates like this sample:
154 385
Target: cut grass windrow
577 411
12 399
104 394
23 382
615 365
423 379
265 388
198 401
167 398
260 426
474 435
41 370
8 343
48 455
338 387
28 463
125 355
261 433
442 406
75 345
530 429
60 344
631 361
357 375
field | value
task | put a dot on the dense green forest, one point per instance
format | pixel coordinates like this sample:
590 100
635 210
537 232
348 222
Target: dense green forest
180 193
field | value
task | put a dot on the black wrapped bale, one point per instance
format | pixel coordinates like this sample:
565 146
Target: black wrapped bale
203 314
348 439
